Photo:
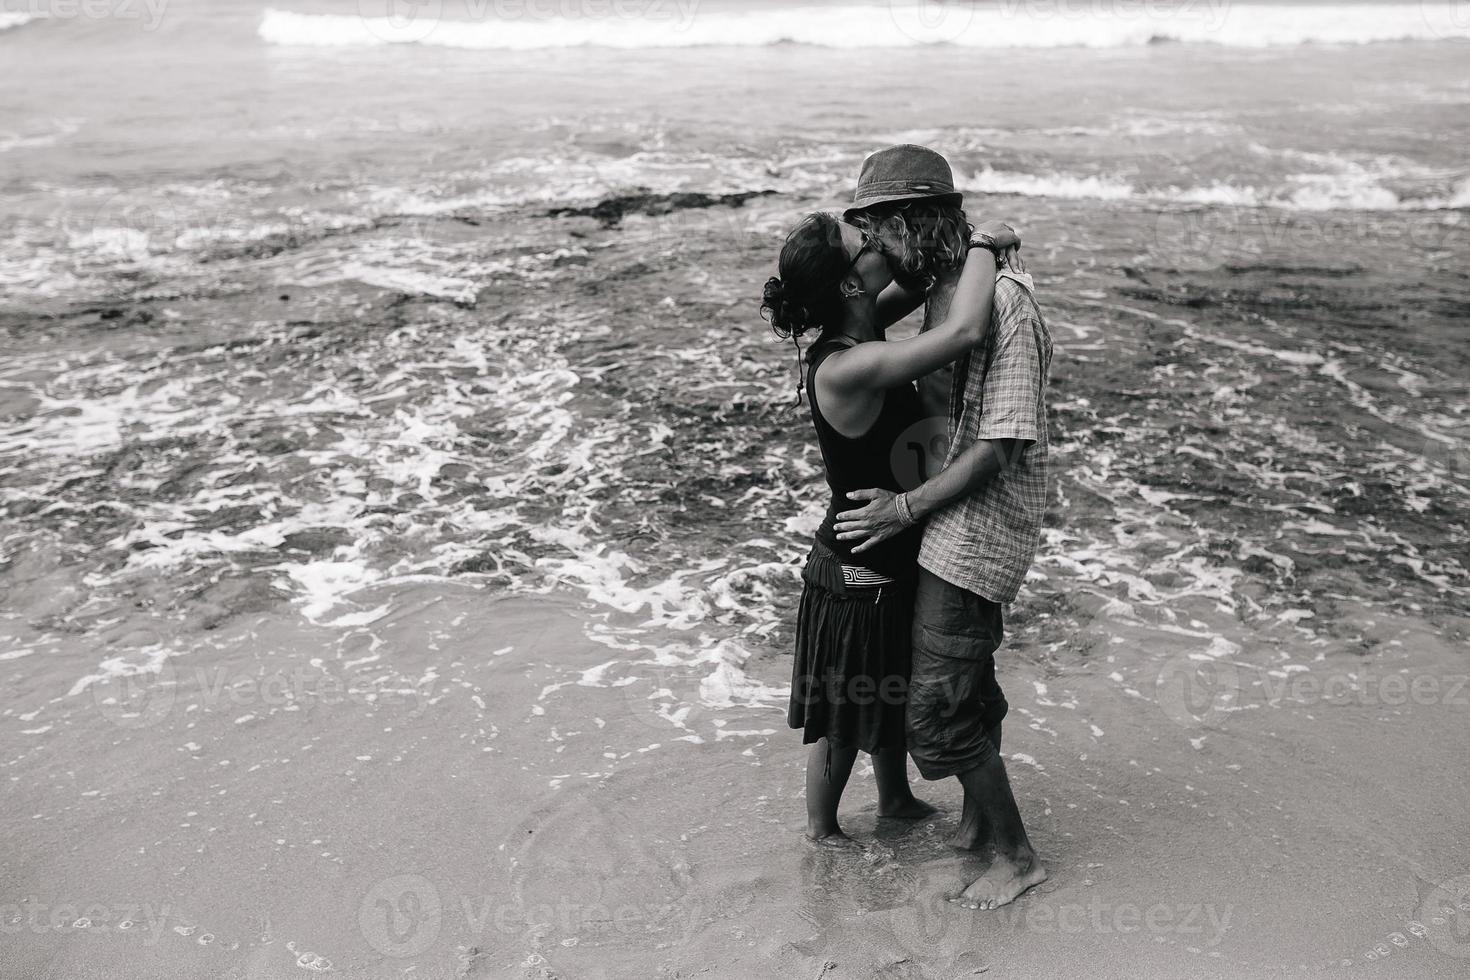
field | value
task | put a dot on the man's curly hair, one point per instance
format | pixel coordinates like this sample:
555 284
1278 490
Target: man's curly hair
923 239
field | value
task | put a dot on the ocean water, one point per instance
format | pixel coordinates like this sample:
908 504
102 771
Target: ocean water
288 318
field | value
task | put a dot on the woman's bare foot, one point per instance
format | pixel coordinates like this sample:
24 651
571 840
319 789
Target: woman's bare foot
1002 883
910 808
829 836
970 838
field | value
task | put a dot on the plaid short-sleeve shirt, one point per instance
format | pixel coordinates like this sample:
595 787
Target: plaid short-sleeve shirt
986 541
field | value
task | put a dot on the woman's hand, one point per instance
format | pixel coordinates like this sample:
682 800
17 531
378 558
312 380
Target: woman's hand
1001 233
1007 244
877 521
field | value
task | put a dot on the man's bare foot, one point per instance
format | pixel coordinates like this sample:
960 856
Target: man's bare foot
1002 883
912 808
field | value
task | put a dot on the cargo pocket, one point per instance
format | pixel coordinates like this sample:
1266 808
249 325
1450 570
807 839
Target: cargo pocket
968 647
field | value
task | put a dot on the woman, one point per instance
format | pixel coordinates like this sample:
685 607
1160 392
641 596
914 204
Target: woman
851 669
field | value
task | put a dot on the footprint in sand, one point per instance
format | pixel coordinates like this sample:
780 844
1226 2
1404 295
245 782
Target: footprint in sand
308 960
313 962
1443 924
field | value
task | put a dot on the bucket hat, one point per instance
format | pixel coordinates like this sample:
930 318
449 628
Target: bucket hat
906 172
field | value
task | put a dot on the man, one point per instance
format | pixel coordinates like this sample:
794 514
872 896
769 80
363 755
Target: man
982 511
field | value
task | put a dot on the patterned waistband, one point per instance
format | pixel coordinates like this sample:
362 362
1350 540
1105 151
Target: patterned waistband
859 576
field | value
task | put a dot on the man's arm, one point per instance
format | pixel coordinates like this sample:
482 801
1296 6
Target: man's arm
978 464
878 520
865 369
1006 399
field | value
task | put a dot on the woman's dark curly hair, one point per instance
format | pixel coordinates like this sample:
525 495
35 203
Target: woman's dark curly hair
807 294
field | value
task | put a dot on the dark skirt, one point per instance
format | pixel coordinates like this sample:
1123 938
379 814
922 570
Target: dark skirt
850 678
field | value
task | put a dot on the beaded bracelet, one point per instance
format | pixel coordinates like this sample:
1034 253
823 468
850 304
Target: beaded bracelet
901 504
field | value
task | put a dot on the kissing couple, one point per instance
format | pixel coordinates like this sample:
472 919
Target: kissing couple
902 604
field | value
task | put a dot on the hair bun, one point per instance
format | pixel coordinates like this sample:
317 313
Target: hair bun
788 317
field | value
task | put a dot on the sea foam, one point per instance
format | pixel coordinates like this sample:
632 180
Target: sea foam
1361 190
13 20
1011 24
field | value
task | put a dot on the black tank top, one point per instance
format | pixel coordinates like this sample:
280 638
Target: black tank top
863 462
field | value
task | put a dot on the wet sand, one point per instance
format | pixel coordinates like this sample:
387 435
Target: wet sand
399 630
266 805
